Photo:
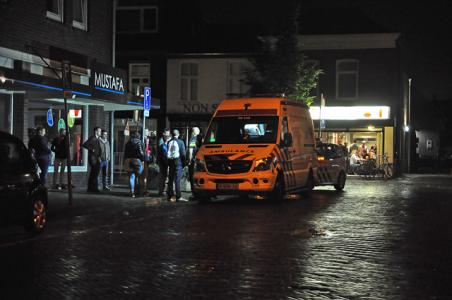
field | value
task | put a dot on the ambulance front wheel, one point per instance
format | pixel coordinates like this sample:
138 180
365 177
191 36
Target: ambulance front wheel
201 198
279 190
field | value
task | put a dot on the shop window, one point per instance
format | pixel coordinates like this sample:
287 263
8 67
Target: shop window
55 10
38 117
189 81
80 14
347 71
139 77
135 19
235 84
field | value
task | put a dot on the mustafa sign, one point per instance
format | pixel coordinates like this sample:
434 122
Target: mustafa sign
108 83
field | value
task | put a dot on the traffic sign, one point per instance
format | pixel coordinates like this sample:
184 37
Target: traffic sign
146 113
147 98
50 117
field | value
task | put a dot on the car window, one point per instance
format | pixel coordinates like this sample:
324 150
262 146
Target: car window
326 151
14 157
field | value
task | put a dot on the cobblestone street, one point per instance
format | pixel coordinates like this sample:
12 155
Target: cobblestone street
376 240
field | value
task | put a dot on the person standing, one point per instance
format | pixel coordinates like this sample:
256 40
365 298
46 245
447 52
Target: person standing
176 158
60 161
39 146
92 144
191 166
162 160
133 161
104 158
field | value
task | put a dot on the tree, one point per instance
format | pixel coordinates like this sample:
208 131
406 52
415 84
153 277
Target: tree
281 67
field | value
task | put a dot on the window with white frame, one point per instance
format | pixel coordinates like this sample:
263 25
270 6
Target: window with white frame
55 10
347 75
135 19
139 77
80 14
189 81
235 84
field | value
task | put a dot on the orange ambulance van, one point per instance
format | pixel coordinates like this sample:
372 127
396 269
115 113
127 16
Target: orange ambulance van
261 146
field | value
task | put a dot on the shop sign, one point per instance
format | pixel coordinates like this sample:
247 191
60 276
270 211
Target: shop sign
108 83
350 112
70 120
193 108
61 124
75 113
50 117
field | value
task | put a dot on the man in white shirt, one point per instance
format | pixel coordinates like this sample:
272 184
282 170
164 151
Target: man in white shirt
176 158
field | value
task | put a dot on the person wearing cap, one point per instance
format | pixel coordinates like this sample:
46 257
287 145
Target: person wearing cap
176 158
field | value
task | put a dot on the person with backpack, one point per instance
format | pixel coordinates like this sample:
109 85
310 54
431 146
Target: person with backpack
176 158
60 161
162 159
41 152
133 161
92 144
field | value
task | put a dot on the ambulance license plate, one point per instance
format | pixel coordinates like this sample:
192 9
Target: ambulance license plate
227 186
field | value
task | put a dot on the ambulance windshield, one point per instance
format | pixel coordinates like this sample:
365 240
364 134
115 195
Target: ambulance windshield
242 130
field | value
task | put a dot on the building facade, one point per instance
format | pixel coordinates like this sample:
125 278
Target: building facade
35 38
360 85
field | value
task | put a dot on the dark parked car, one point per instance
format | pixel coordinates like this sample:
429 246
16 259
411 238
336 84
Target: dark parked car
23 199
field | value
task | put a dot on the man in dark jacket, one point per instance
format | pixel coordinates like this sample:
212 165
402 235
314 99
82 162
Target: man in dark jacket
59 147
133 161
176 159
162 159
94 153
39 145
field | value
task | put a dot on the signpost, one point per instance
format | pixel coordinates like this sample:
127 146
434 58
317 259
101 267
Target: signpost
146 107
67 90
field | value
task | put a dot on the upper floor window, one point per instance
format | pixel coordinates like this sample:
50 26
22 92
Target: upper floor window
80 14
347 75
55 10
139 77
189 81
135 19
235 84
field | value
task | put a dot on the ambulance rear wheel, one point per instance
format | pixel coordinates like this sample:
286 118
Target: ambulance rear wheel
339 186
309 185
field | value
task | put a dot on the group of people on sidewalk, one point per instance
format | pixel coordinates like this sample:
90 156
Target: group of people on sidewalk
98 148
165 159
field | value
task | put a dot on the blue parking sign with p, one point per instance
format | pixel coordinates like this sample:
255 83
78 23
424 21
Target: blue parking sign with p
147 98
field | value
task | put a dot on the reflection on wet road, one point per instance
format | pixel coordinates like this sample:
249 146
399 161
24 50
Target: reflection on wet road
376 240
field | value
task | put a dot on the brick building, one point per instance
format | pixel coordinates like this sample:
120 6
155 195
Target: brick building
35 37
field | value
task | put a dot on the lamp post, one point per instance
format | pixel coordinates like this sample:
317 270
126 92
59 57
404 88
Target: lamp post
408 128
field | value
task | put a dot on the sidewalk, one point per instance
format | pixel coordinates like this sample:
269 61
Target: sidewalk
108 202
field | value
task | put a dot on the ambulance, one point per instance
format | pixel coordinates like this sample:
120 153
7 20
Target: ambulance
257 146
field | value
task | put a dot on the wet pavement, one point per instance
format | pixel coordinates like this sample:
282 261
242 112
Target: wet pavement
376 240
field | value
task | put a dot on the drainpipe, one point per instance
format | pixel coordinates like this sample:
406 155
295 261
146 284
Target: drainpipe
113 43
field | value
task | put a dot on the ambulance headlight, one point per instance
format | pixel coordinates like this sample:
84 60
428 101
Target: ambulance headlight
263 164
200 165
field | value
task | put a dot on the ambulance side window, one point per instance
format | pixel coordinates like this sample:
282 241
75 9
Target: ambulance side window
286 137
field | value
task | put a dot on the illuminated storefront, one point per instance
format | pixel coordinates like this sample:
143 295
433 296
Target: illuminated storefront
348 125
